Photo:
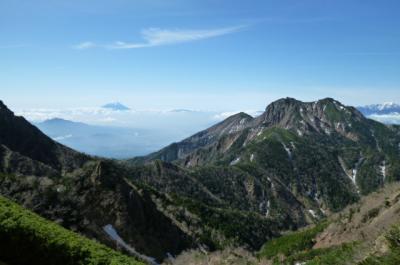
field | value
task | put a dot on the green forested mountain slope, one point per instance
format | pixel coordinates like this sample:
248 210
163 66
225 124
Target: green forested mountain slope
364 233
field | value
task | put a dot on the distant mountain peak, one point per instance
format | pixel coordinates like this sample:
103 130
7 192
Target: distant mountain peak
59 121
115 106
56 120
291 106
324 116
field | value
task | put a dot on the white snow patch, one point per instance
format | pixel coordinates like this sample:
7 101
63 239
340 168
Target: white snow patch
312 212
60 189
383 170
300 133
272 184
354 176
293 145
268 208
387 105
251 157
112 233
234 162
287 150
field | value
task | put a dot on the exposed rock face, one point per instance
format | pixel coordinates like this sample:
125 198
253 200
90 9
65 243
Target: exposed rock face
323 116
175 151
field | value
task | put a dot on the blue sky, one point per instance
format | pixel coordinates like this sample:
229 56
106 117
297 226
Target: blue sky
218 55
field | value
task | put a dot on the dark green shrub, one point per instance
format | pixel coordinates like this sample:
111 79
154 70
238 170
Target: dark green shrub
292 243
26 238
370 215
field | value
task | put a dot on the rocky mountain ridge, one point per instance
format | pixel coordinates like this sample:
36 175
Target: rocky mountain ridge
239 183
80 192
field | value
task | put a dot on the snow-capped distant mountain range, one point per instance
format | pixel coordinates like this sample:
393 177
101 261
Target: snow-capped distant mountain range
386 112
380 109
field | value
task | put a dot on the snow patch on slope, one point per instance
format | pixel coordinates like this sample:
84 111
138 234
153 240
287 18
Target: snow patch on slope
268 208
112 233
313 214
251 157
353 172
383 170
287 150
234 162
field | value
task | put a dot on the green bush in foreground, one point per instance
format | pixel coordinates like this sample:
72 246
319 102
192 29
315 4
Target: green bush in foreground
292 243
26 238
333 256
296 248
336 255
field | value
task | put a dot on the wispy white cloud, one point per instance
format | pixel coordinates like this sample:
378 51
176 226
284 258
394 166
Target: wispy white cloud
157 37
393 118
153 37
62 137
84 45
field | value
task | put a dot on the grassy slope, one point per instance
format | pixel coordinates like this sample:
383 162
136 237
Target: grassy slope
392 256
26 238
358 235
